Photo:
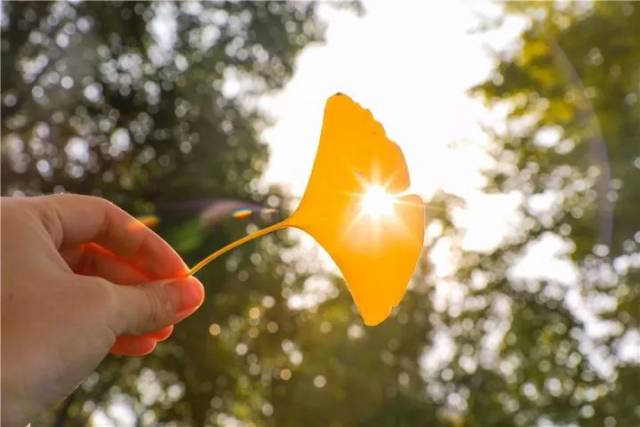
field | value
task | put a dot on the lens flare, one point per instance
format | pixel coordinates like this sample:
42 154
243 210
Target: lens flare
150 221
242 213
376 202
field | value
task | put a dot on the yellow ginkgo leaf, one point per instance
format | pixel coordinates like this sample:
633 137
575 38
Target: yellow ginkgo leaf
353 208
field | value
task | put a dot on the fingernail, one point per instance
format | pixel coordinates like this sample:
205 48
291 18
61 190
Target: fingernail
190 294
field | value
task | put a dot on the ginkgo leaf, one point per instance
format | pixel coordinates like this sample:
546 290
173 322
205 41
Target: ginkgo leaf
374 238
353 208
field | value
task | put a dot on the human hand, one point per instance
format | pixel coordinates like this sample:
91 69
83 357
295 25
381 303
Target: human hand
62 311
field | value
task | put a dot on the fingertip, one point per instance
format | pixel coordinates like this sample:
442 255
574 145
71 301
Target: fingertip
131 345
192 296
161 334
197 288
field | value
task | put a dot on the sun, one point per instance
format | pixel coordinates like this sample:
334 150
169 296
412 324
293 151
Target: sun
376 202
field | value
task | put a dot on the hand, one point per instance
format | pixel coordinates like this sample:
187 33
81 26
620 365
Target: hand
61 308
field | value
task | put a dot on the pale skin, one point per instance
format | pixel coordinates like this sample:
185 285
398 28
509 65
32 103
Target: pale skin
65 259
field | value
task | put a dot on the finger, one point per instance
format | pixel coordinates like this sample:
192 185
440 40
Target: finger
75 219
143 308
160 334
133 346
138 345
93 260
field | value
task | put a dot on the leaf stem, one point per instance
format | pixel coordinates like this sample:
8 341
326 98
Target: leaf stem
264 231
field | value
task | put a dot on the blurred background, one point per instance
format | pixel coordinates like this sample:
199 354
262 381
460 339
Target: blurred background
521 126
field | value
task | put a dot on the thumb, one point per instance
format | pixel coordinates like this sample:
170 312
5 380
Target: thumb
139 309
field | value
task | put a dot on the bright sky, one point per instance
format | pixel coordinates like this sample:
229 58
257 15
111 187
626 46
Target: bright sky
410 64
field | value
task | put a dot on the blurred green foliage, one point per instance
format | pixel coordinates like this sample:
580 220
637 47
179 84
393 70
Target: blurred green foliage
152 105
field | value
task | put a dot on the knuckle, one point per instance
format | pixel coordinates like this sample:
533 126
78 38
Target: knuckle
102 203
159 307
99 204
47 210
20 214
153 305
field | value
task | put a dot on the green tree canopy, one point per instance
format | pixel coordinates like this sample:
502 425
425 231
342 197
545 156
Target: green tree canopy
151 105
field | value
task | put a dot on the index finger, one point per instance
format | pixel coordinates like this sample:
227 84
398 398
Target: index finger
74 219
